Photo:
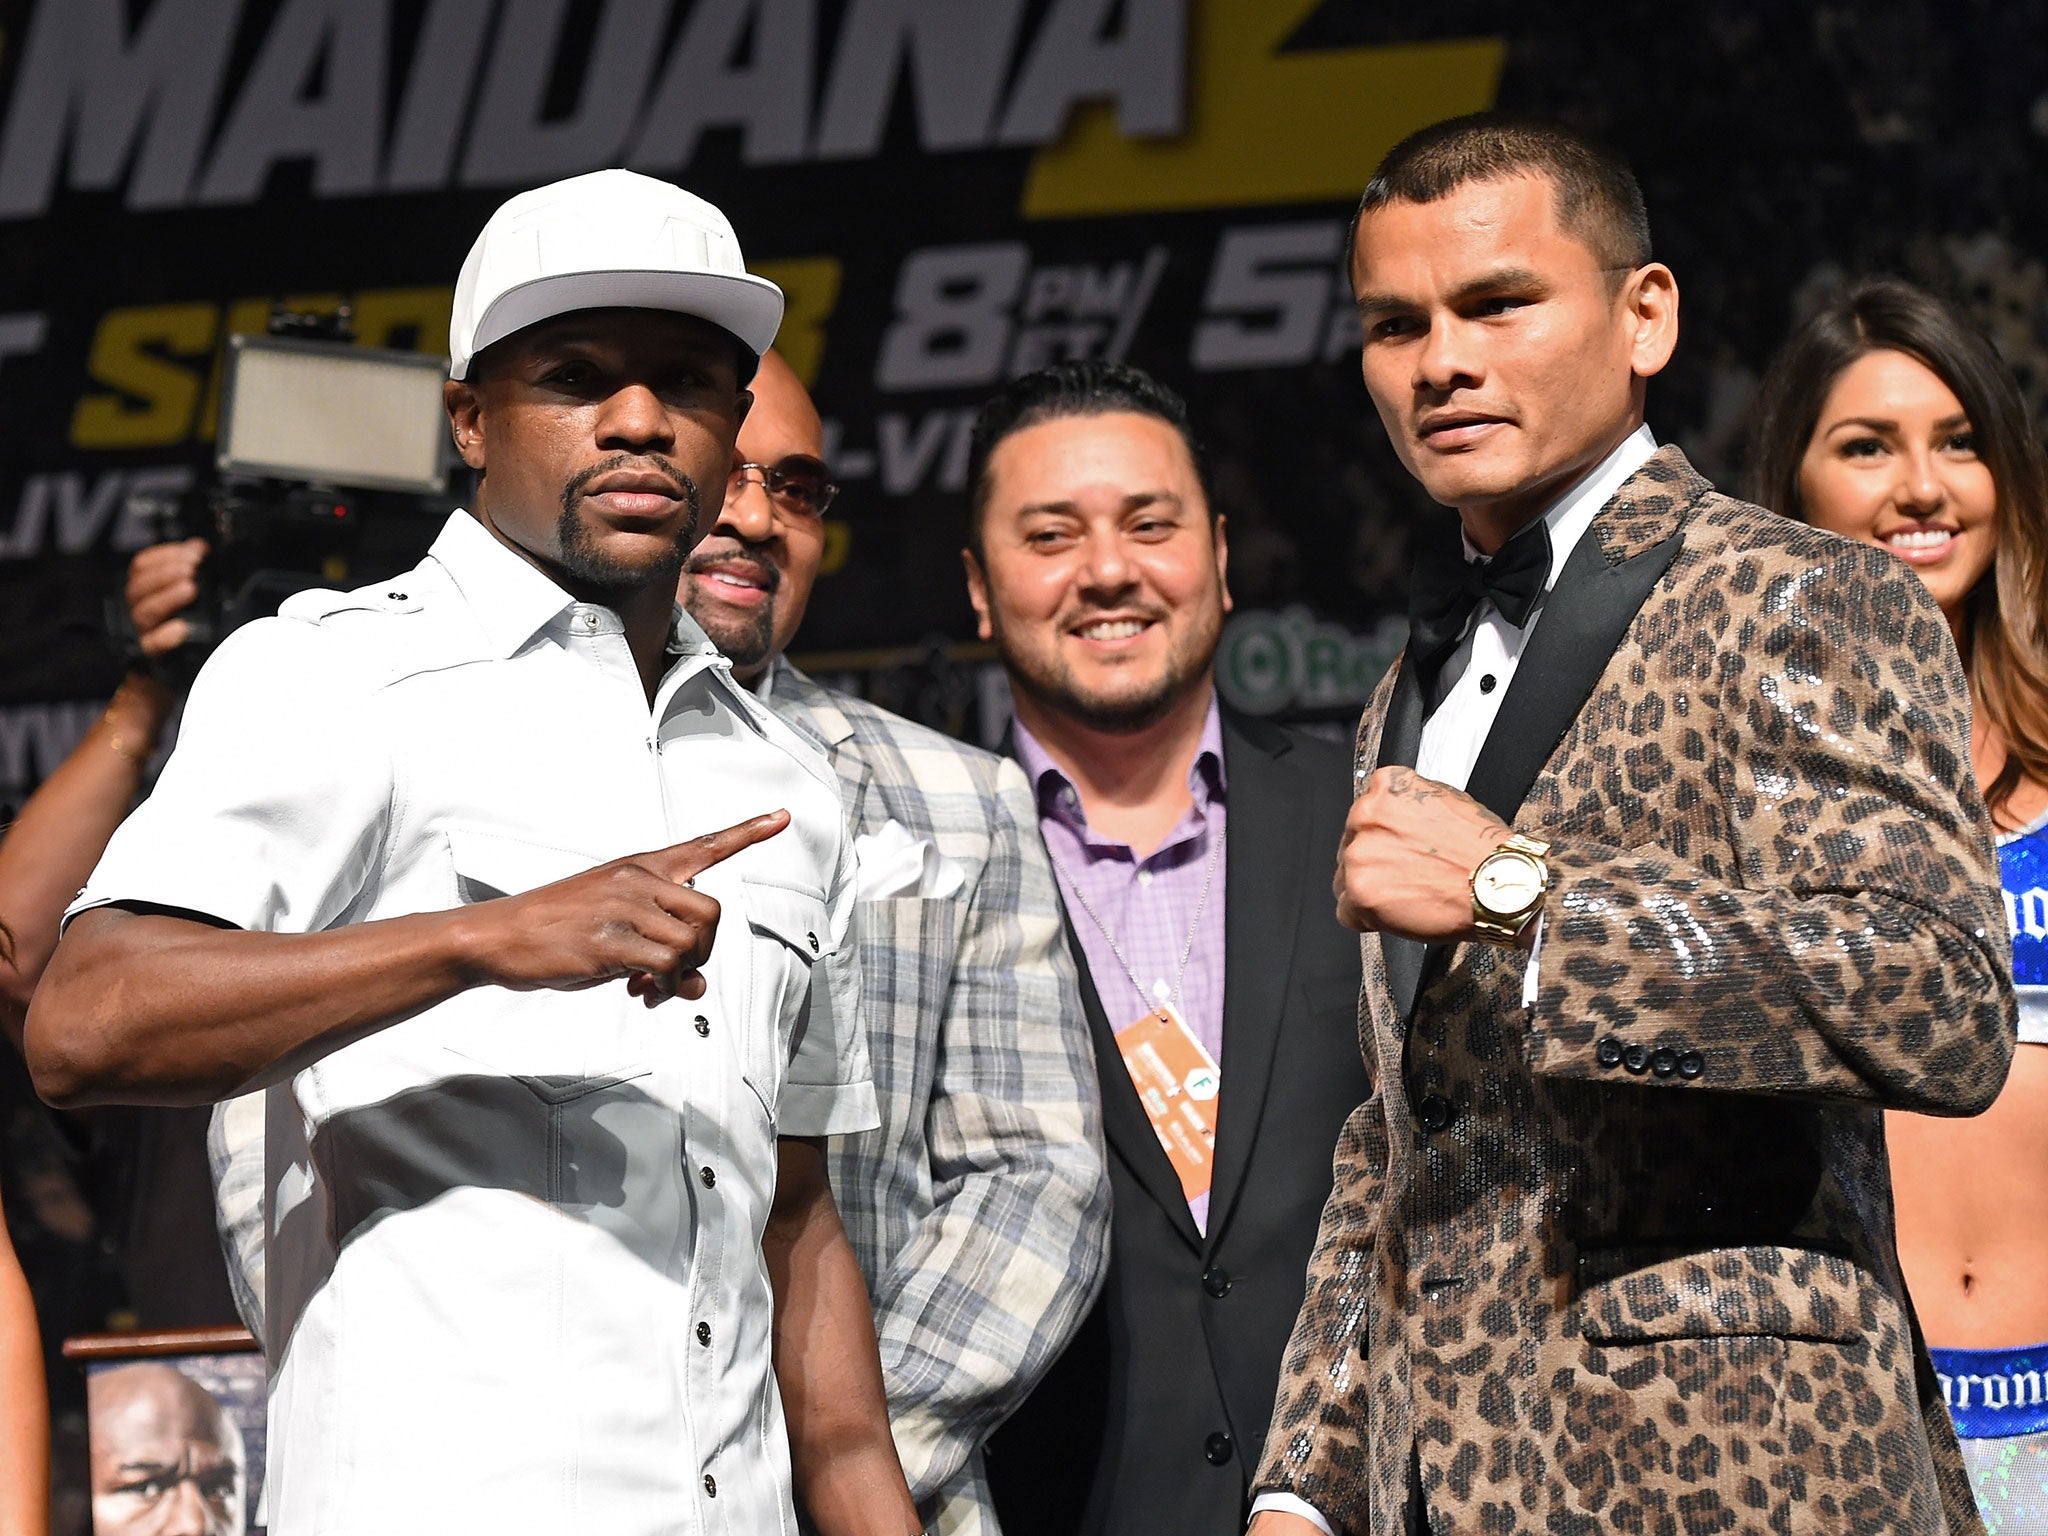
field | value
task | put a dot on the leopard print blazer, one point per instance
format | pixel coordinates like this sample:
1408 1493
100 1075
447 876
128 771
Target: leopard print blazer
1623 1261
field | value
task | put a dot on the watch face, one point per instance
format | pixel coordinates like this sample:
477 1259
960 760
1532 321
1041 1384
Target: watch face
1507 884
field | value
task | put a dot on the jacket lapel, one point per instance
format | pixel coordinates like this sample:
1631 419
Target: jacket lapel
1266 825
810 708
1124 1124
1400 741
1605 580
1610 572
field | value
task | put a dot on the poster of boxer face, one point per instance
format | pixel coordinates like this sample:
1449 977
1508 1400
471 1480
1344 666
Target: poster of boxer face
176 1445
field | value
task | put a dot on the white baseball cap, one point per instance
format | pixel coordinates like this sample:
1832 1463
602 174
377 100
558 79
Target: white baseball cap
608 240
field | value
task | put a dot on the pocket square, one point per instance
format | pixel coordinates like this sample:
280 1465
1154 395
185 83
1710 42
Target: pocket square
892 863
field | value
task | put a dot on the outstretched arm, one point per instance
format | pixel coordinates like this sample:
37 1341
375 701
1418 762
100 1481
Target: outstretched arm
52 846
150 1008
841 1456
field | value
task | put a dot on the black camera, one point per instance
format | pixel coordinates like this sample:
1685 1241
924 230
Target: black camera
330 471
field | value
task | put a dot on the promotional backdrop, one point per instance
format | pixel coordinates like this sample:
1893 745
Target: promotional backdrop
951 191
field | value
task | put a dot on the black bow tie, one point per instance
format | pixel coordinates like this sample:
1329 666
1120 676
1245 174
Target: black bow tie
1447 588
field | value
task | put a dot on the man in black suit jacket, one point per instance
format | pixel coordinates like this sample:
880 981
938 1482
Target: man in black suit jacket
1189 844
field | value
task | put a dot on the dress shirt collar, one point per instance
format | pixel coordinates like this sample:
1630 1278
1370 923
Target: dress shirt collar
512 599
1057 797
1573 513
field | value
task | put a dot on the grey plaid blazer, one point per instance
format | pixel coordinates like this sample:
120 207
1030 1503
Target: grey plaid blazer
980 1209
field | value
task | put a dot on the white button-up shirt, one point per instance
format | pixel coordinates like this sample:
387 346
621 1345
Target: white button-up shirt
515 1279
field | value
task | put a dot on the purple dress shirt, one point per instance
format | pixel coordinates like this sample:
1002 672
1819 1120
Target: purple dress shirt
1148 902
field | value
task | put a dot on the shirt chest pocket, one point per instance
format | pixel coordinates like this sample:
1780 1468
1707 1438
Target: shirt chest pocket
789 930
561 1044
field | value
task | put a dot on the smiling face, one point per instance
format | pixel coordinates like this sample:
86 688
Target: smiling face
1504 362
604 438
748 583
1892 461
1101 575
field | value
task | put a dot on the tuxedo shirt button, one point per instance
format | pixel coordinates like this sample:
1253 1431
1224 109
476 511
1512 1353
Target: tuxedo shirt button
1691 1064
1663 1061
1433 1113
1636 1058
1217 1283
1608 1052
1217 1449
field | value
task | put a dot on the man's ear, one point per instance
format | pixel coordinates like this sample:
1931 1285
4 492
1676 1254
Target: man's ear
1652 299
465 420
1222 559
977 594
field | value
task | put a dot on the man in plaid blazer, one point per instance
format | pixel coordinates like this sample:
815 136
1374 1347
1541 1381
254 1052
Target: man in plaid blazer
980 1209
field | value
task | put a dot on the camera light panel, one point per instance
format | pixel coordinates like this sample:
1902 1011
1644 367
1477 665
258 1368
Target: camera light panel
331 414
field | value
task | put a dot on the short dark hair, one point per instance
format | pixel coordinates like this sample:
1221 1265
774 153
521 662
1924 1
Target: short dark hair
1090 387
1597 199
2006 634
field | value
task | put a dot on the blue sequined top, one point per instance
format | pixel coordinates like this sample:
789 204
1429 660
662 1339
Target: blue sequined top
2023 870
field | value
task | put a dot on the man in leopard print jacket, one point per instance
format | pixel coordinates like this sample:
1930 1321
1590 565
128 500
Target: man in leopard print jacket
1673 875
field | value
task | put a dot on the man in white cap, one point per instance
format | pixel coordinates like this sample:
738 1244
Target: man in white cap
544 1180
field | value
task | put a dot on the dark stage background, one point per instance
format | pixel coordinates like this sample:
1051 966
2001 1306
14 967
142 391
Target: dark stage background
951 191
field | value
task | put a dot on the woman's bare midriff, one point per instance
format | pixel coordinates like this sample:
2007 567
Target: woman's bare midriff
1972 1200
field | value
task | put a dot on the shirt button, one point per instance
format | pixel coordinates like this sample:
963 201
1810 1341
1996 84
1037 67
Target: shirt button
1488 683
589 620
1636 1058
709 1177
703 1333
1433 1113
710 1486
1217 1449
812 939
1144 877
1608 1052
1217 1283
1691 1064
1663 1061
701 1024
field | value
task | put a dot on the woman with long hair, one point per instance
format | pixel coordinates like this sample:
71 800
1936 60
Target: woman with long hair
1888 419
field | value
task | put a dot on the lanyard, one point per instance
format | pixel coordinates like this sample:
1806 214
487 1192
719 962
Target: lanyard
1194 926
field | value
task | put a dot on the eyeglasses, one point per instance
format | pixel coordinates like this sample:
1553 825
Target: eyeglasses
798 486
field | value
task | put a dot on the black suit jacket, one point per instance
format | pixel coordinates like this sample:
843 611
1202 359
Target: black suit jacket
1152 1421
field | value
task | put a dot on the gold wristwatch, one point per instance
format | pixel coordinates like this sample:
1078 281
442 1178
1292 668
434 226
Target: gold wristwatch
1507 889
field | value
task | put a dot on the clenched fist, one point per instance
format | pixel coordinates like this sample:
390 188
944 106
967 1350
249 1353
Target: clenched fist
1410 847
635 917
